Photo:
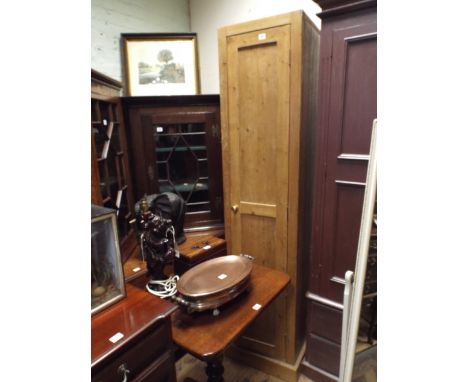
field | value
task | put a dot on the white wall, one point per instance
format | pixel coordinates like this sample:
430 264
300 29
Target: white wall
206 16
110 18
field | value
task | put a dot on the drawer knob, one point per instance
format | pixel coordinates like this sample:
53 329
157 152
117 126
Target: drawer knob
235 208
122 370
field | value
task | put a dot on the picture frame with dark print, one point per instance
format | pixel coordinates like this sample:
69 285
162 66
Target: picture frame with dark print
161 64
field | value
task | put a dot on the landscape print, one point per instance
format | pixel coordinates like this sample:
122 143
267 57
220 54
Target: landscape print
162 70
162 66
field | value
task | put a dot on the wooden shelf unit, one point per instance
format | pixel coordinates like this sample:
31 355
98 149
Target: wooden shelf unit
110 176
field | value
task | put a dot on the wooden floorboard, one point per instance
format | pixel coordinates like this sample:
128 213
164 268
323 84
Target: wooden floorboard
190 369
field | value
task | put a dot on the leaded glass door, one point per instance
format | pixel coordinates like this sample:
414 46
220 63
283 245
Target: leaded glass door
183 157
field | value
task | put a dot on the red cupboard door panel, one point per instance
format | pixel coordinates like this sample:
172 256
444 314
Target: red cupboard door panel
352 108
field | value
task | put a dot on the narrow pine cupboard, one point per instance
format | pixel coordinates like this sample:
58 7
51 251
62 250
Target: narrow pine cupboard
269 71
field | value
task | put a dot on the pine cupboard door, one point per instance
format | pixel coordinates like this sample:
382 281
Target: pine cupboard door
256 154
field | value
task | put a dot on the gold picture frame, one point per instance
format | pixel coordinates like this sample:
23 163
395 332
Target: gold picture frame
161 64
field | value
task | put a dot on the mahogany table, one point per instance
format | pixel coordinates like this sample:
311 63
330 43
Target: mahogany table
206 336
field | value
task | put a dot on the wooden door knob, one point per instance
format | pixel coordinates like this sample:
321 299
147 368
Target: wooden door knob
235 208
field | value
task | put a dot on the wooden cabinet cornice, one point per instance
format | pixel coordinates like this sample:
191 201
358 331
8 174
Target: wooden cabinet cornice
336 7
158 101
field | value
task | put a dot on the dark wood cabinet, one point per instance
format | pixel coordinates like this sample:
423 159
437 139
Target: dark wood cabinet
346 109
175 147
110 177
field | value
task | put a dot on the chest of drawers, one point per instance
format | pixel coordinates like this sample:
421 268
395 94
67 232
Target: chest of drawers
132 340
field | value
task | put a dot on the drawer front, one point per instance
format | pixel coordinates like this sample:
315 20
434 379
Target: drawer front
136 357
162 370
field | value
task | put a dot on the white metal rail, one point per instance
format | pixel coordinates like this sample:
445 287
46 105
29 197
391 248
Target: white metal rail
353 293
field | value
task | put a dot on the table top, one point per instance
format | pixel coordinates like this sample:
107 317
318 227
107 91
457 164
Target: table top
207 336
130 316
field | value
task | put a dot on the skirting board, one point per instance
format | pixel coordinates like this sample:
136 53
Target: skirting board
316 374
282 370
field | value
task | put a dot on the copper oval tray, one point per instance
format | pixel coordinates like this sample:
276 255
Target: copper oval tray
214 276
212 301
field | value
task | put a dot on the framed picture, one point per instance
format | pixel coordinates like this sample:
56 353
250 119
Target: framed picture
107 277
161 63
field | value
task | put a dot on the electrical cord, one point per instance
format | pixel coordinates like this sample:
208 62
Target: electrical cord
169 285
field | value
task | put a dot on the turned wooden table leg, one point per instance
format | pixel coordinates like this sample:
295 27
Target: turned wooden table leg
215 370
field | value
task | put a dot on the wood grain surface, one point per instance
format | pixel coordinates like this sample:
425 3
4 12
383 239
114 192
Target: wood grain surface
207 336
268 81
193 247
131 316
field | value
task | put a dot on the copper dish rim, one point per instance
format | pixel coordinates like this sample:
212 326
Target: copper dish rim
223 259
214 301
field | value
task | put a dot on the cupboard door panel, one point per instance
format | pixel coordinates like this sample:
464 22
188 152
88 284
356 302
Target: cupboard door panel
259 135
325 321
263 335
352 108
256 232
353 97
258 118
360 88
323 353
